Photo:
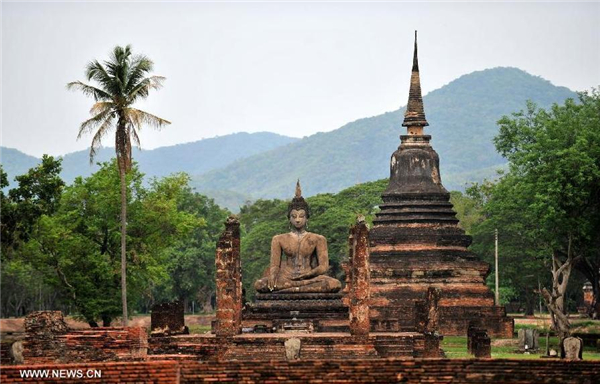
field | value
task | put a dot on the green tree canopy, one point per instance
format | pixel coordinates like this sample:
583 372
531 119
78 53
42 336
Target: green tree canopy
549 200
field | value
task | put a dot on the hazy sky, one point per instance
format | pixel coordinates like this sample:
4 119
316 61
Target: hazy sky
291 68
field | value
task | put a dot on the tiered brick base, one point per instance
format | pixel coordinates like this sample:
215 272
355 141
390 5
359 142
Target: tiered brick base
416 243
409 257
313 345
331 371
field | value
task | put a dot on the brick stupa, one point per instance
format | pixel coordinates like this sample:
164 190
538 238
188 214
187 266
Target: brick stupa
416 242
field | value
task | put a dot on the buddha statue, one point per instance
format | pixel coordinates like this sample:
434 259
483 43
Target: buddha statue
299 260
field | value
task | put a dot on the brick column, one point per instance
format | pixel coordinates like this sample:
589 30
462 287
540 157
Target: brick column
229 280
360 278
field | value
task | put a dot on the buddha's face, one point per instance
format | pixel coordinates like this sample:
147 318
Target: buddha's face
298 218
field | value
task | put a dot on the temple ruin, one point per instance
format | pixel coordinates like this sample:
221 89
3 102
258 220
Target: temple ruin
417 243
410 280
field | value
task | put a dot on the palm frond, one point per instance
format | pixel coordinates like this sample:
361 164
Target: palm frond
101 106
102 131
97 72
119 66
140 66
143 88
139 117
89 90
96 121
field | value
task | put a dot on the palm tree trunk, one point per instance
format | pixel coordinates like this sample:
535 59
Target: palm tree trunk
123 243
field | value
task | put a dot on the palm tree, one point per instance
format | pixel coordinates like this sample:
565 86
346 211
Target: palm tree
121 81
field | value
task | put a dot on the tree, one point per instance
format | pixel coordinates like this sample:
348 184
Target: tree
191 260
522 255
551 193
122 80
37 193
80 242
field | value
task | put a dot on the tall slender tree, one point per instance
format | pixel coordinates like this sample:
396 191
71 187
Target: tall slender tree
121 81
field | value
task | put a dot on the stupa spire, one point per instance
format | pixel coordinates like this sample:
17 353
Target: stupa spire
415 113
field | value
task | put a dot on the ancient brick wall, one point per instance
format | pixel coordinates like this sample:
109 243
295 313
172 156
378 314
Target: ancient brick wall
164 372
5 357
331 371
96 344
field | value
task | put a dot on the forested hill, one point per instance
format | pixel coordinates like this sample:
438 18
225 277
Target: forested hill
15 162
462 117
242 166
194 158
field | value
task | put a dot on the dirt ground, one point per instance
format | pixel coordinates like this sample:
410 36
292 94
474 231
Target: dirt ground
15 325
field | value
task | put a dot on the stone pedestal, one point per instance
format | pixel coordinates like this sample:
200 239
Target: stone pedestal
303 311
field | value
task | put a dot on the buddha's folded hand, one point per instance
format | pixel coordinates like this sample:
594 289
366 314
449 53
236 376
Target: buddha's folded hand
272 282
302 276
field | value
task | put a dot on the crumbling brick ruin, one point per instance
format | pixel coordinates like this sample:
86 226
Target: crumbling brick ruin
416 242
168 319
229 280
360 278
48 340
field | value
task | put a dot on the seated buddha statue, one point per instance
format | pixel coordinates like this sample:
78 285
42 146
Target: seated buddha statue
299 260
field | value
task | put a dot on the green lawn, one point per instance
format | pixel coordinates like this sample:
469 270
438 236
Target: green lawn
455 347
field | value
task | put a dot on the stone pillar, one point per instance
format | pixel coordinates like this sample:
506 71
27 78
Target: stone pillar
229 280
427 317
427 313
588 296
433 312
359 280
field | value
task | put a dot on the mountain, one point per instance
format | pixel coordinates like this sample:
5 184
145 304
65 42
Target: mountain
462 117
15 162
239 167
194 158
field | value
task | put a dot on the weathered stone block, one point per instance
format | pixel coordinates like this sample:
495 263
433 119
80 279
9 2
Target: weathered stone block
168 319
573 348
292 349
528 339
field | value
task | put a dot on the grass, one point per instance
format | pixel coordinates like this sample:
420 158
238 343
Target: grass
543 325
198 329
455 347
